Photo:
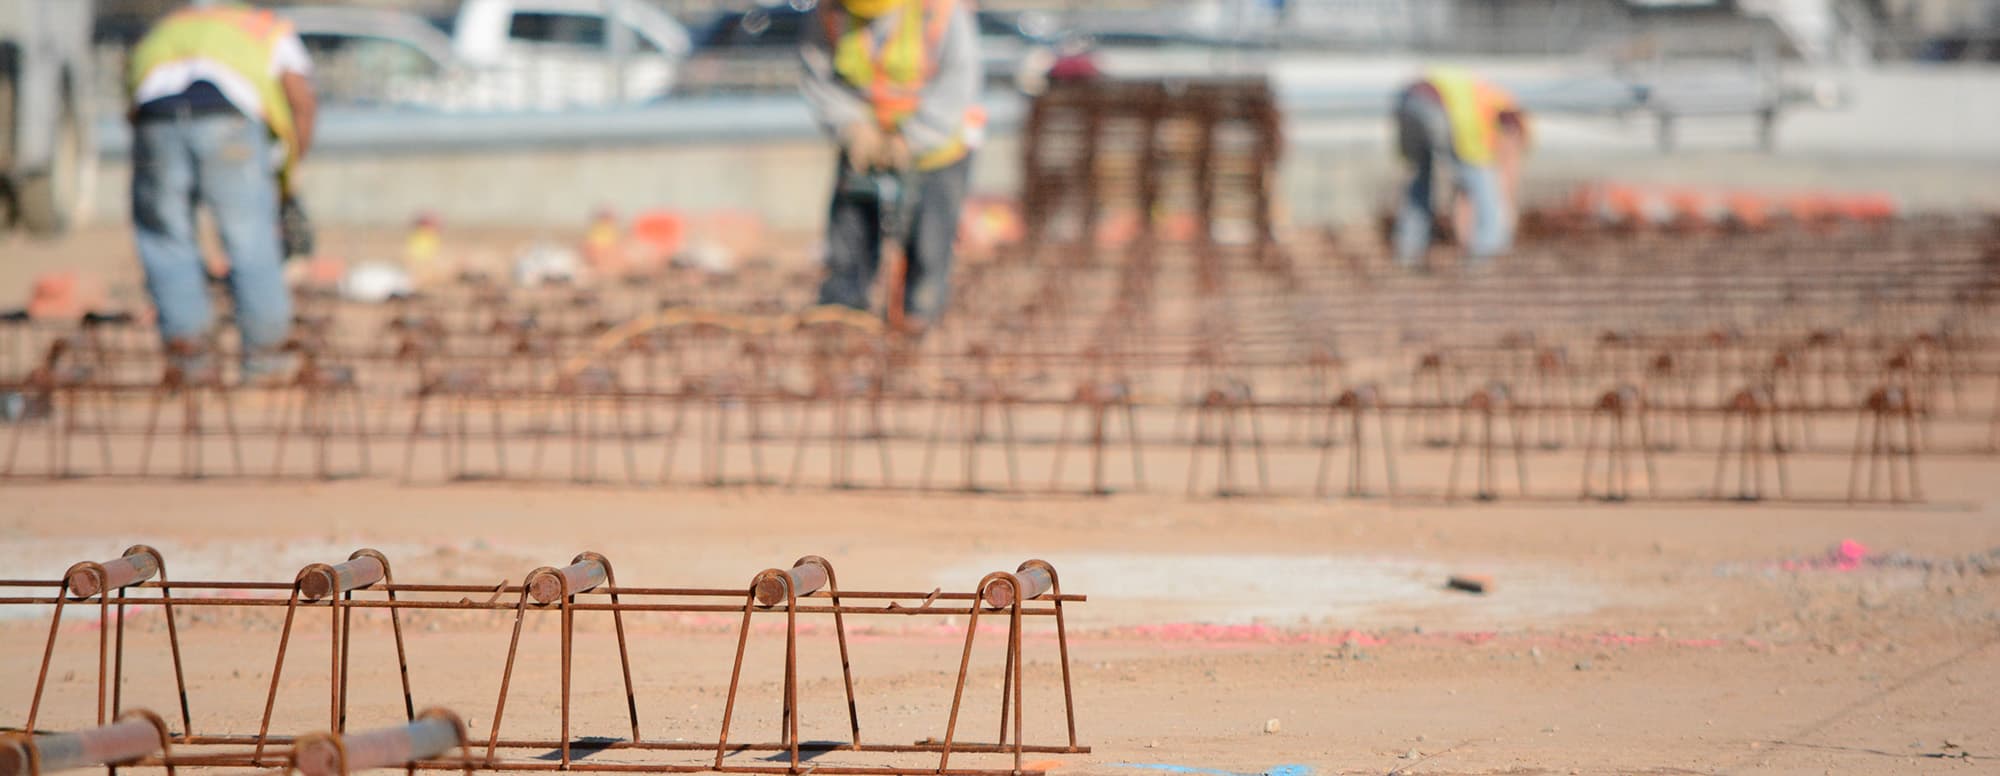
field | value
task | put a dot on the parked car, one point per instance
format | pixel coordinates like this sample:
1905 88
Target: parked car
556 54
46 154
494 55
375 57
755 51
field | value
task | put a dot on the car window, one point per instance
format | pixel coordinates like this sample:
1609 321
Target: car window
375 55
566 29
780 29
356 69
757 28
644 45
992 25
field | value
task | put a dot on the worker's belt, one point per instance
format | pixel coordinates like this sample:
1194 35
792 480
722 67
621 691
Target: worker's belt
200 99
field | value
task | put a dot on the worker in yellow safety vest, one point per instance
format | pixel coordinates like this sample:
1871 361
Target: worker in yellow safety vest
221 107
896 82
1451 116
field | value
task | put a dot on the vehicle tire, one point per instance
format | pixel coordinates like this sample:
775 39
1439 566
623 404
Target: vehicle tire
47 202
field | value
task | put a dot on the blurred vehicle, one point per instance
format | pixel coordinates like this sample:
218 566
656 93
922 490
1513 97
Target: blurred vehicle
1961 47
557 54
494 55
46 153
373 57
756 51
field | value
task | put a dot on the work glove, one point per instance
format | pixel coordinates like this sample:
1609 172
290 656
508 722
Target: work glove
863 143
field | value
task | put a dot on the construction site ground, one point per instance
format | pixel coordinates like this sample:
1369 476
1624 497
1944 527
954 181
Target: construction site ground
1231 635
1618 638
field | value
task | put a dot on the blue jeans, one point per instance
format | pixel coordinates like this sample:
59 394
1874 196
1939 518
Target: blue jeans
223 161
854 241
1425 139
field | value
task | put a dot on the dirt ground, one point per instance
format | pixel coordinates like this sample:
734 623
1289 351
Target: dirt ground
1651 640
1233 636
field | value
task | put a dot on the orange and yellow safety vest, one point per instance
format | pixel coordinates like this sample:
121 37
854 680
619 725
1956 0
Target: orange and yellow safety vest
893 72
238 38
1473 107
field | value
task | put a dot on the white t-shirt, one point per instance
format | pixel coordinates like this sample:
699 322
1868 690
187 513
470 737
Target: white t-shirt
171 78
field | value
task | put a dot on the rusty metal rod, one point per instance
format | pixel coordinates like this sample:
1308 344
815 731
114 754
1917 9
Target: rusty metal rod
124 741
320 582
427 738
131 569
582 607
686 746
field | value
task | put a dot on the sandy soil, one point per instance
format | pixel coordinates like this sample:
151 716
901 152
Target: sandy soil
1619 639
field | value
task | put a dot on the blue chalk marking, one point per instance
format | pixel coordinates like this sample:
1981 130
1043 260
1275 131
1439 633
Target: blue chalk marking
1282 770
1179 769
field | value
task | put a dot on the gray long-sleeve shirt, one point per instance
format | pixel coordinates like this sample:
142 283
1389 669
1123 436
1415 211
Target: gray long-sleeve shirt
952 91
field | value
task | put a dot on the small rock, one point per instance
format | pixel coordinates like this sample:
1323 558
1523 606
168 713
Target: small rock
1420 738
1582 665
1536 653
1153 744
1412 754
1271 725
69 676
1470 583
1950 744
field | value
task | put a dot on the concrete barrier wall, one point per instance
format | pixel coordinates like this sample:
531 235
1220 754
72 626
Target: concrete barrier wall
787 183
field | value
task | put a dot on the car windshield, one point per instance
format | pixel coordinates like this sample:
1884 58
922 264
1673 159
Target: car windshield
360 69
758 28
562 29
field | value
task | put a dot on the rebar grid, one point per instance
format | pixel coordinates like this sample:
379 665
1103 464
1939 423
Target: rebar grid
586 586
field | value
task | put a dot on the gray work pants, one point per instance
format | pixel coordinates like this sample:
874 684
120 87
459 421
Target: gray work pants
854 241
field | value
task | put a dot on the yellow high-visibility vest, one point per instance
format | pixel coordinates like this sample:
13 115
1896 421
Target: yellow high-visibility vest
894 72
1473 106
240 39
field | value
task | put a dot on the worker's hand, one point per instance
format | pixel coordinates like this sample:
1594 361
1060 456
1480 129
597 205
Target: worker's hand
862 141
895 155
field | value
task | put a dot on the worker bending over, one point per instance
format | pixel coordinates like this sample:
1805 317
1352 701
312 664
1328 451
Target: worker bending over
1450 115
221 105
897 84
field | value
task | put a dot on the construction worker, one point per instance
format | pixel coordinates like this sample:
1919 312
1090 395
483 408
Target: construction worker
221 108
1451 115
897 83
